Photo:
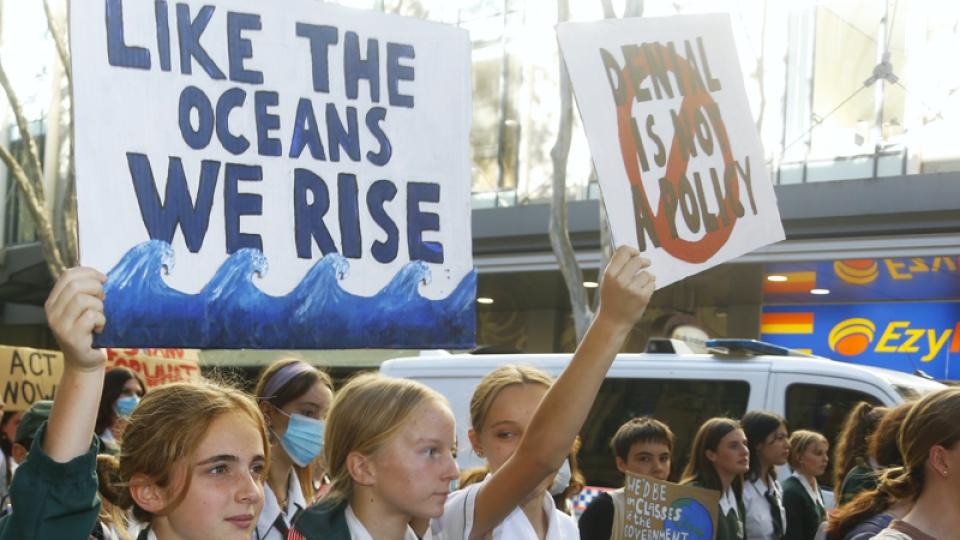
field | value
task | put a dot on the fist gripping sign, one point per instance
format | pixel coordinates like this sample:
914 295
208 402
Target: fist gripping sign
681 168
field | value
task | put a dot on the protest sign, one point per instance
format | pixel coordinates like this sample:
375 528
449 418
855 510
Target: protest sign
680 164
157 366
658 510
274 174
28 375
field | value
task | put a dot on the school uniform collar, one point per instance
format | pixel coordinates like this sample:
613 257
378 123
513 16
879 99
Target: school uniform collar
727 501
813 492
271 507
359 532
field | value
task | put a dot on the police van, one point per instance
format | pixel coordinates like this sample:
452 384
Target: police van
682 389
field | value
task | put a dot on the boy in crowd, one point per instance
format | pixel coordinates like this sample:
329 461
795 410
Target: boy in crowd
641 446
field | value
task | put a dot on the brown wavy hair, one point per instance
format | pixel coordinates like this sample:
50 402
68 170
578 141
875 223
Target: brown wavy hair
851 447
884 448
699 468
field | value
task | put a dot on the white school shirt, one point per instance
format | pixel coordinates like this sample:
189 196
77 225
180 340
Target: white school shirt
759 520
271 510
359 532
727 501
457 520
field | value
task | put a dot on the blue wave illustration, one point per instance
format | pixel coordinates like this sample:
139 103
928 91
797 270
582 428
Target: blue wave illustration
231 312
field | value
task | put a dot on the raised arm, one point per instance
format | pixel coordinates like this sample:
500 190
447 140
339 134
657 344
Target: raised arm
624 296
74 312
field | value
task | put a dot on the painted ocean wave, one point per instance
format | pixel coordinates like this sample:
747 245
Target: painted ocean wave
231 312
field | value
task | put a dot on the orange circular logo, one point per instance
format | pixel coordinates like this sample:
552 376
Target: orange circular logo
852 336
857 271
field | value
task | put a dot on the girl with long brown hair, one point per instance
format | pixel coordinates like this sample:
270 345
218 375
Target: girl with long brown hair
871 511
929 442
852 470
719 458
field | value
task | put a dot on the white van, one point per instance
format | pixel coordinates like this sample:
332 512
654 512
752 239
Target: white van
682 390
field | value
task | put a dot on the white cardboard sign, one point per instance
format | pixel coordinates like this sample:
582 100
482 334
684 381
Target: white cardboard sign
680 164
274 174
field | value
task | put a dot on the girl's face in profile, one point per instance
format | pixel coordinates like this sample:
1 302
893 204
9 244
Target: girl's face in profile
225 494
414 467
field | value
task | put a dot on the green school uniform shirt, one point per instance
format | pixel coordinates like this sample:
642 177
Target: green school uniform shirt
730 525
50 499
322 521
857 480
803 513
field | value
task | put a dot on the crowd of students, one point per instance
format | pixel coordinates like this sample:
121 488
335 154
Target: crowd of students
375 459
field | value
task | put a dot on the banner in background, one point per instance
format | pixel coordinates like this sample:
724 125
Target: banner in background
903 336
915 278
158 366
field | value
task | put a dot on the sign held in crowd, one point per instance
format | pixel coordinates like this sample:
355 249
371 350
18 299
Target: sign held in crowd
681 168
280 175
157 366
28 375
658 510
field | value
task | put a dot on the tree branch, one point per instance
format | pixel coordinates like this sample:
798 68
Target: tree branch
33 157
48 242
559 231
59 41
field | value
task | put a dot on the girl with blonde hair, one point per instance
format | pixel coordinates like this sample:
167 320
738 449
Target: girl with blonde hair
385 478
929 442
719 458
802 498
294 398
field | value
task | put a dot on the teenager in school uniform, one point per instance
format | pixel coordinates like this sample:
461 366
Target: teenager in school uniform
54 489
801 493
642 445
762 494
871 511
389 442
718 460
193 456
929 441
294 398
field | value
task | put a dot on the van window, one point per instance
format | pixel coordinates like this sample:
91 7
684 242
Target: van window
822 409
682 404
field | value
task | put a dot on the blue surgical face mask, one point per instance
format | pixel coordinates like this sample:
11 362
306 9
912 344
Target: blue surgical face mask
125 405
303 439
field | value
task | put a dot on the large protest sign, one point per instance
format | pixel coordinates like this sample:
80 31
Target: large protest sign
274 174
657 510
157 366
28 375
680 164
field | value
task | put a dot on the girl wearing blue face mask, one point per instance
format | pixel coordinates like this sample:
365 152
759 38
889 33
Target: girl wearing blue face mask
294 398
122 390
